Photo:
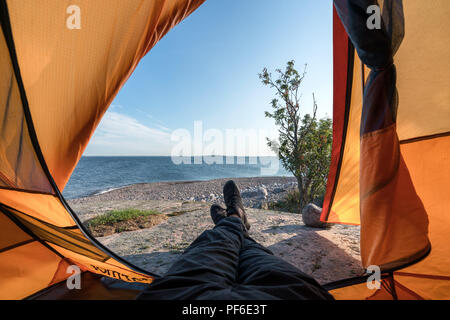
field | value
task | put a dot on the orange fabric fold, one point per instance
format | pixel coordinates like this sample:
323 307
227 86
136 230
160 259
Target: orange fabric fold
394 223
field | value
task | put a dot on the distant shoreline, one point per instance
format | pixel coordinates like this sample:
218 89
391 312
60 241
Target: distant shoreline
175 182
254 191
101 174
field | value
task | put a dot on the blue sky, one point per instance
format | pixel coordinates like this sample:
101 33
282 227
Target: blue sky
206 69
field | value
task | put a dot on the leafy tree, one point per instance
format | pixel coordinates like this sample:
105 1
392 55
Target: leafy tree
304 142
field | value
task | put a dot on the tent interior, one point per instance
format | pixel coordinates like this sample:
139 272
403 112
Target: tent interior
391 148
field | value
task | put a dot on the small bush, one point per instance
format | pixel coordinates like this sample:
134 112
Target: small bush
291 203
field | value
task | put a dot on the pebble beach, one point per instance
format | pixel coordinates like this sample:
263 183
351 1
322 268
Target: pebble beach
329 254
253 191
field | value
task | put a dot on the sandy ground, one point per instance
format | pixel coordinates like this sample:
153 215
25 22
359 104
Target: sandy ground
326 254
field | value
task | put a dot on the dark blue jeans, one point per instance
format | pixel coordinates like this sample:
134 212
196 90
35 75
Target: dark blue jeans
224 264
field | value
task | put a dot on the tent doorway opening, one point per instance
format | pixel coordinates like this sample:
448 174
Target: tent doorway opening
138 141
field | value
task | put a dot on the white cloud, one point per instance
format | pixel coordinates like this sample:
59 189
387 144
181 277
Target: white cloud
163 128
119 134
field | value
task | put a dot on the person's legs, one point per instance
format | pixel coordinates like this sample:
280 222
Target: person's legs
259 270
207 266
224 263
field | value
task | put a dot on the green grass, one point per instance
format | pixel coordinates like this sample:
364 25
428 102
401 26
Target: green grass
116 216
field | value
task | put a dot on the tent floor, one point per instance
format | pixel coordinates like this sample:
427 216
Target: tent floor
93 287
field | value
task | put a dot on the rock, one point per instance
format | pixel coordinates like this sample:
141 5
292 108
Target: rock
311 216
259 193
263 191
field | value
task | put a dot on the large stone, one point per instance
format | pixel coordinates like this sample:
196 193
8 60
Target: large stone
311 216
263 192
259 193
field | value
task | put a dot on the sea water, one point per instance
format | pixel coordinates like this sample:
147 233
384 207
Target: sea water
100 174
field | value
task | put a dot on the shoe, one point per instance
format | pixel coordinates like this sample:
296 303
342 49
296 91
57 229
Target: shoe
233 201
217 213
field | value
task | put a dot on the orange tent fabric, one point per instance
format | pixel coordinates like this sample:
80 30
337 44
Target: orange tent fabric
62 64
92 62
393 144
57 82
